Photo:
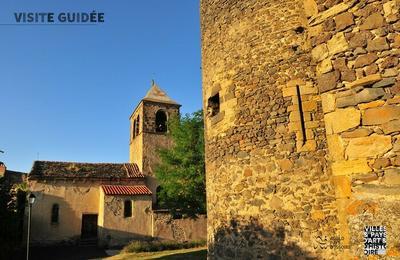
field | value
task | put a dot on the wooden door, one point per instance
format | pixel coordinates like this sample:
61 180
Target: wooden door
89 226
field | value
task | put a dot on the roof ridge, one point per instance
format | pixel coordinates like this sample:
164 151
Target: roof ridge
156 94
47 161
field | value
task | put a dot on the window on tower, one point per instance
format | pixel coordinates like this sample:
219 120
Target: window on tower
161 122
134 129
137 125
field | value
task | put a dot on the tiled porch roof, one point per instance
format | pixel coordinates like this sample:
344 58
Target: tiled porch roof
126 190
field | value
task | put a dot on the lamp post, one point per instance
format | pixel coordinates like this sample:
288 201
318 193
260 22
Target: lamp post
31 200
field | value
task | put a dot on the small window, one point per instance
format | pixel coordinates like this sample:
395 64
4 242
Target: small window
137 125
128 208
213 105
134 129
161 121
54 214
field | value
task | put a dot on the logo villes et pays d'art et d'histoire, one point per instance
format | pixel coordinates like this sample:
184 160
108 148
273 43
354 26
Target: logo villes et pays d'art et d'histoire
59 18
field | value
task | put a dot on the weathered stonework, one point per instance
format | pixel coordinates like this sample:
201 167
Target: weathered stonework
304 147
144 139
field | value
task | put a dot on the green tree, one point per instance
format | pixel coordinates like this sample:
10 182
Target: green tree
181 172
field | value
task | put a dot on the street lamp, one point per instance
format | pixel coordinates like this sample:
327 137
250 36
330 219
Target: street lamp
31 200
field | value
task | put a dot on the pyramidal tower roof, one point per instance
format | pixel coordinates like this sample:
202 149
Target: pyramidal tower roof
156 94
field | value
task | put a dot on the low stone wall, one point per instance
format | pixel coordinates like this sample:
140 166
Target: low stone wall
185 229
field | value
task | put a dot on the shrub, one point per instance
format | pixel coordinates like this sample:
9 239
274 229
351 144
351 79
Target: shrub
153 246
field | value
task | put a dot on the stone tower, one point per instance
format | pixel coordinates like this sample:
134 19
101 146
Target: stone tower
301 102
148 131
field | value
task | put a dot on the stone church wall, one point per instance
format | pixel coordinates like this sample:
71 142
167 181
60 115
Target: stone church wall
356 53
305 141
180 230
152 141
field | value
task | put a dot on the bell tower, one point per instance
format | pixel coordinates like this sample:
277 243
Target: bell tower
148 131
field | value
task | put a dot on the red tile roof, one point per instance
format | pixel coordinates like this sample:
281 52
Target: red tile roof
125 190
133 170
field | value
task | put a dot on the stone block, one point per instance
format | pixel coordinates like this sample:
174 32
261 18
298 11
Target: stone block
276 203
285 164
384 83
341 120
350 167
368 80
289 91
380 115
348 75
359 39
342 186
309 146
364 60
320 52
360 132
337 44
324 66
392 176
381 163
366 95
328 102
310 7
396 161
323 16
377 44
373 21
336 147
309 106
369 146
344 20
389 62
327 81
315 30
391 127
306 89
396 41
376 103
371 69
387 73
340 64
389 8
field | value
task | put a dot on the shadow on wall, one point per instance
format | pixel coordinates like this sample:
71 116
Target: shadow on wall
253 241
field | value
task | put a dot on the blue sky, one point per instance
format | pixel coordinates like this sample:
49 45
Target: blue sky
67 91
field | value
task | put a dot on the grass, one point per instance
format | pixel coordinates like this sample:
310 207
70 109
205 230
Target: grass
198 253
153 246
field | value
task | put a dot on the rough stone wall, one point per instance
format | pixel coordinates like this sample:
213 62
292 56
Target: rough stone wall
268 184
143 147
136 141
294 79
356 50
184 229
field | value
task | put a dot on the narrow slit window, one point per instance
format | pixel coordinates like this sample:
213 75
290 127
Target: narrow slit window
137 125
302 123
127 208
54 213
213 105
134 128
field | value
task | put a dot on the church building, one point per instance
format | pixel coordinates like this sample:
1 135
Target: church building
105 203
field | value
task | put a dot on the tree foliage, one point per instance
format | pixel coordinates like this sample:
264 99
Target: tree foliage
181 172
12 203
